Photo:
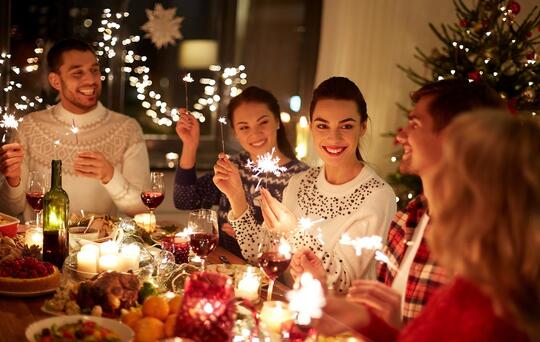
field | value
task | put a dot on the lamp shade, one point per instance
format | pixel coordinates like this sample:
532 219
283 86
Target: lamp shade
197 54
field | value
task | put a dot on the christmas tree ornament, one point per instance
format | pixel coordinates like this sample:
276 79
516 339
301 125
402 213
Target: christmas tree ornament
163 26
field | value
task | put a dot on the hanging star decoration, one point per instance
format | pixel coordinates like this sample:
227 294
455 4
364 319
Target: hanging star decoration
163 26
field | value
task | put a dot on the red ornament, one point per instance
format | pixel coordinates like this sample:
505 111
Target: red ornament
474 75
463 23
514 7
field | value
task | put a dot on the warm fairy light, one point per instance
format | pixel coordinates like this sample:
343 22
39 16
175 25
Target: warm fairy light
306 299
366 242
284 248
266 163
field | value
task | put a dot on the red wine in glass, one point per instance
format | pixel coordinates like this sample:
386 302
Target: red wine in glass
203 244
152 199
273 264
35 199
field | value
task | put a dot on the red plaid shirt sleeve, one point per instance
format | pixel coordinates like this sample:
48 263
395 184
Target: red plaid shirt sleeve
425 276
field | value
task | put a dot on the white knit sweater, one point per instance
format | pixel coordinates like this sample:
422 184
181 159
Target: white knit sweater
118 137
361 207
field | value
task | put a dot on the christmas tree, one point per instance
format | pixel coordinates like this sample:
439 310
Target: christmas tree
487 43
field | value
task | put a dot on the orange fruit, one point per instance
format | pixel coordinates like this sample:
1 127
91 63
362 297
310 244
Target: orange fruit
175 303
131 317
157 307
148 329
170 325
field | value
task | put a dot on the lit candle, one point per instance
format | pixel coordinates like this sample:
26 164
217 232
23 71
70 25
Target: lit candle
248 285
274 314
109 263
146 221
87 261
108 248
130 257
34 236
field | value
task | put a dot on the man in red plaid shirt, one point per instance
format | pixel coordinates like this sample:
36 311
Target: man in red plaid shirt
413 275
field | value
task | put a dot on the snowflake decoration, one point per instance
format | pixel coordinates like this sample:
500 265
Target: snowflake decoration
266 163
163 26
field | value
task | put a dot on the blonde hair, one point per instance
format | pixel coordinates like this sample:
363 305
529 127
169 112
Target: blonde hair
487 204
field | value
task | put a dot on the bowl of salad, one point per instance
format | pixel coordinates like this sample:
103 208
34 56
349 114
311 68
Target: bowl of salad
78 328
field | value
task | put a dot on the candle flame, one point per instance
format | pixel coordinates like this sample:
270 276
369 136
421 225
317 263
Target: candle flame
307 299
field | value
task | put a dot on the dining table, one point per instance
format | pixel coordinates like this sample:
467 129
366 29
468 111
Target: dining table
16 313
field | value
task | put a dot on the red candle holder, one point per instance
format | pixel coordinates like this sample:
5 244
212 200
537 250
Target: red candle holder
208 308
178 246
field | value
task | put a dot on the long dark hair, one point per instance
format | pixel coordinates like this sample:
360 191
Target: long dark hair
259 95
340 88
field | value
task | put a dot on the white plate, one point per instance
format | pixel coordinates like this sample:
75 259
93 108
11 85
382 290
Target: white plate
122 330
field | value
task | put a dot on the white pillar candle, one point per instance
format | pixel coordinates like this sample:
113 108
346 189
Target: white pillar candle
108 248
109 263
91 248
87 261
274 314
248 286
130 257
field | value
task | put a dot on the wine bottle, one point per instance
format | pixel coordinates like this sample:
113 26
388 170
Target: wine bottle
55 219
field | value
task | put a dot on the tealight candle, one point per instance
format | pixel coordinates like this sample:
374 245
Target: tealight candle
34 236
130 257
108 248
248 284
108 263
87 261
274 314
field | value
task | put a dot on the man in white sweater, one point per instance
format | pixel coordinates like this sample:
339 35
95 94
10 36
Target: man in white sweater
104 156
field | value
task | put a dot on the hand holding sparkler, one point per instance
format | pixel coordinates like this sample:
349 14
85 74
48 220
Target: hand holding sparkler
277 216
380 298
11 158
227 179
306 261
341 315
93 164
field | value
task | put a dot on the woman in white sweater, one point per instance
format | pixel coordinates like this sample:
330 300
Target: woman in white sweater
344 196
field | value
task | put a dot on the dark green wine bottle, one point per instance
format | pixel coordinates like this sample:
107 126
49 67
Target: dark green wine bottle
55 219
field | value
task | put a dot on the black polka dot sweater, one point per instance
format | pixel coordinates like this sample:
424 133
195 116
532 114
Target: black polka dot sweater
191 192
361 207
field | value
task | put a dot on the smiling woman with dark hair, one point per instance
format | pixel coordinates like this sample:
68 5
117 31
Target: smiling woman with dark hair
254 116
344 196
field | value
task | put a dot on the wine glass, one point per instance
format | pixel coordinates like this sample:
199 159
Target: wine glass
203 233
35 191
153 193
274 257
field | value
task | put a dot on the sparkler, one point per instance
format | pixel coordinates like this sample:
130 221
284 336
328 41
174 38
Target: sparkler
9 122
284 248
187 79
366 242
380 256
74 129
266 163
305 223
222 121
306 299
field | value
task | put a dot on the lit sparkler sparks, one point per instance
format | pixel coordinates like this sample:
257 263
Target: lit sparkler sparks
305 223
266 163
222 121
9 122
187 79
307 299
380 256
74 129
284 248
366 242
